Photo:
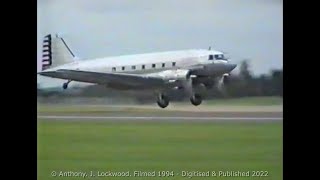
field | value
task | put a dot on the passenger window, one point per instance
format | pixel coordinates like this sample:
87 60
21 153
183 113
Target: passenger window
133 67
113 69
173 64
163 65
143 67
153 65
123 68
210 57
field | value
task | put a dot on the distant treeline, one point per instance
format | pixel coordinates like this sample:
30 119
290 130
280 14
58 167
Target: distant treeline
245 84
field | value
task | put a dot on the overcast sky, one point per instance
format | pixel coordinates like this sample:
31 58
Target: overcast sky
250 29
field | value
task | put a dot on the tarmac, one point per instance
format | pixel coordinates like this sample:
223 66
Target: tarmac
171 114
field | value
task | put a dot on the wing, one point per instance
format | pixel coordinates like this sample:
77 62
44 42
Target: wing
105 78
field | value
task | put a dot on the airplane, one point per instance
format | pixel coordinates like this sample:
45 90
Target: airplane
191 71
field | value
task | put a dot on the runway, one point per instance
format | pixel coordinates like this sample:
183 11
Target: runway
150 118
177 113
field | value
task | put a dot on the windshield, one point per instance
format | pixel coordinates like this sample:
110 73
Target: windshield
220 57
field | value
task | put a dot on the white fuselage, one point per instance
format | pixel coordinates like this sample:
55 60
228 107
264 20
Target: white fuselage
142 63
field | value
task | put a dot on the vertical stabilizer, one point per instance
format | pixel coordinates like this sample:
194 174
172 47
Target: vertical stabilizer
55 52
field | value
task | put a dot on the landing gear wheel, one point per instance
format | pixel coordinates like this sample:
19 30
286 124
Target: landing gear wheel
65 85
163 101
163 104
196 99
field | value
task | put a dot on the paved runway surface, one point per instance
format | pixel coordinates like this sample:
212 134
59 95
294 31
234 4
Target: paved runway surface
177 113
174 116
145 118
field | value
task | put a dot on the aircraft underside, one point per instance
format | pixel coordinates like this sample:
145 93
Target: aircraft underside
195 90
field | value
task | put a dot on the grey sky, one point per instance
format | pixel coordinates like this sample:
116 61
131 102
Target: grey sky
250 29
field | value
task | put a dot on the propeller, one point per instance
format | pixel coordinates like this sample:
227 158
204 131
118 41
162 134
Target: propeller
222 82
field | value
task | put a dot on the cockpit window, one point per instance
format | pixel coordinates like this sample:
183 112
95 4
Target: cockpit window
219 57
210 57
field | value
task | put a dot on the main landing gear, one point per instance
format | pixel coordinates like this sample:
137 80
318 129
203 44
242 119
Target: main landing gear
65 85
196 99
163 100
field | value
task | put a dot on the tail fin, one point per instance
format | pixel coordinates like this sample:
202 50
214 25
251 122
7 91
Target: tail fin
55 52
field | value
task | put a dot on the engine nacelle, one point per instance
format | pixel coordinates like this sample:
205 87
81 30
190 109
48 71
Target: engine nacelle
176 74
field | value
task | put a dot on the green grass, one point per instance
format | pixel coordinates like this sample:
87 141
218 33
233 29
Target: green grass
248 101
107 146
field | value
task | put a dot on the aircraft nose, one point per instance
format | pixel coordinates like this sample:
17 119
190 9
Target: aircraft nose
231 66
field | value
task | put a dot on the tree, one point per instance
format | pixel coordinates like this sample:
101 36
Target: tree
244 70
246 84
277 81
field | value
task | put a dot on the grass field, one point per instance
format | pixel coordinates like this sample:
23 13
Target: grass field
110 146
